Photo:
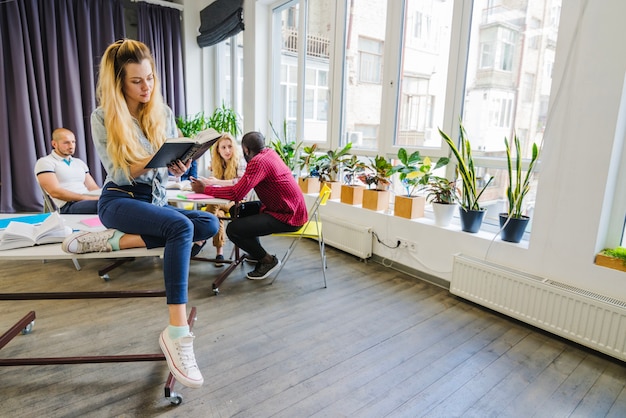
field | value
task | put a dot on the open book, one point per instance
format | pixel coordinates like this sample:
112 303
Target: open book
184 149
21 234
178 185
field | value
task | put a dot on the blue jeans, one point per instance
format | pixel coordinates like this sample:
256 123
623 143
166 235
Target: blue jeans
80 207
129 209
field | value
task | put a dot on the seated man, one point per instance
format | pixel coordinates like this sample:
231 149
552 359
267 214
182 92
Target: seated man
282 207
66 179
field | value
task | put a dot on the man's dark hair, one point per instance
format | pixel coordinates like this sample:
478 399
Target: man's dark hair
254 141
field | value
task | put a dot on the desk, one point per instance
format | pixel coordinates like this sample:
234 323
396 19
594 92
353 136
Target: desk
175 196
54 251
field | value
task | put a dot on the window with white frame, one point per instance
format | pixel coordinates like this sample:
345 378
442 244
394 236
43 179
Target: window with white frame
304 90
370 60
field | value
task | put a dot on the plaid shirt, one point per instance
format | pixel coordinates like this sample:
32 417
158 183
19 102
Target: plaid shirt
273 183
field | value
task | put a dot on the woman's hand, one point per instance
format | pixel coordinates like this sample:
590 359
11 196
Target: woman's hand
178 168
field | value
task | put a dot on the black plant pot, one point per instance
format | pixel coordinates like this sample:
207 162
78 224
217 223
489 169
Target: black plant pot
471 220
513 230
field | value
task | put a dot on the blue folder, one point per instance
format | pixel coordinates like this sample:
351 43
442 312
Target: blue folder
29 219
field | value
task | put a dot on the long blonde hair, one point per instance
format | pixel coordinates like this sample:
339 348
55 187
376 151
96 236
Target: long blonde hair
123 145
224 170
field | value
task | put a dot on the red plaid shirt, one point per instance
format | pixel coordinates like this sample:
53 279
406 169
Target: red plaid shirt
273 183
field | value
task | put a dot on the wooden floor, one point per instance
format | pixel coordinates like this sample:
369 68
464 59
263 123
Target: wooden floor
375 343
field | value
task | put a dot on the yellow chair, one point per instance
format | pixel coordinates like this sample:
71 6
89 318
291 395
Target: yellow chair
311 229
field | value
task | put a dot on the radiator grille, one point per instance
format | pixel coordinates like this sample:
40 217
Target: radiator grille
590 319
346 236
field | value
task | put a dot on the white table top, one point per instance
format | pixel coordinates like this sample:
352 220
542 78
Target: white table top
178 196
54 251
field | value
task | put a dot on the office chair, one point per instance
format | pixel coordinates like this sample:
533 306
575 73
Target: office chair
311 229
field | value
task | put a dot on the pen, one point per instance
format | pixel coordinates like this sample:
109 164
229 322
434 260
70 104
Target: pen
182 196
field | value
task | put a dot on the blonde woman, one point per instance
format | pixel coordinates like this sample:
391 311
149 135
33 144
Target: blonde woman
226 169
128 128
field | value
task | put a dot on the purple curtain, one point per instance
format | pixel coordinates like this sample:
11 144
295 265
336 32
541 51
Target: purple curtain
50 54
160 28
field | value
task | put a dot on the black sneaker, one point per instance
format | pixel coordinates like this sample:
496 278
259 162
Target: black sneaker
263 270
195 249
218 260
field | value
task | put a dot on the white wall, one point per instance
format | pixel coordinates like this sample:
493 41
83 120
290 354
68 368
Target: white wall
574 181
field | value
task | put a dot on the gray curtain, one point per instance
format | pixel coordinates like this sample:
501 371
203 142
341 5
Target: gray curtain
160 28
50 52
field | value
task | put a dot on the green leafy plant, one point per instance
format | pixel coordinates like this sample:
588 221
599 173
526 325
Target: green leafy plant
414 171
440 190
192 124
518 186
351 168
288 150
330 163
465 169
379 174
307 161
225 119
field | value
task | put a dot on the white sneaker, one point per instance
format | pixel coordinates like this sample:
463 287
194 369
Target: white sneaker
88 242
180 359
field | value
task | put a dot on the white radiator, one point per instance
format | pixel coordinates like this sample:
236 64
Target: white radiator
593 320
346 236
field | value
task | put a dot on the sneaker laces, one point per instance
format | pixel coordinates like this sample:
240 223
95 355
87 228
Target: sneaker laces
184 348
96 242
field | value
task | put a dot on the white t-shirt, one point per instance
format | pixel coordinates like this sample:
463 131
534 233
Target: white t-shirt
70 173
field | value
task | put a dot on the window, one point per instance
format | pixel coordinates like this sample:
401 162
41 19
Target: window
423 75
370 61
486 55
514 99
304 84
508 50
362 72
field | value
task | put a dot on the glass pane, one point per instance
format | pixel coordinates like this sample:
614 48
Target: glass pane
509 77
425 53
363 69
289 67
318 46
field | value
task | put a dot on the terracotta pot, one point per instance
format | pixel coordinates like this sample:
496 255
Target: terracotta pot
610 262
352 195
309 184
409 207
376 199
335 188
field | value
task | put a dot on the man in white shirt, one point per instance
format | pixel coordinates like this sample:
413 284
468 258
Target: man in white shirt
66 179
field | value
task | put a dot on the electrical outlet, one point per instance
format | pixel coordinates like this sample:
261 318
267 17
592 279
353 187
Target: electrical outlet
408 244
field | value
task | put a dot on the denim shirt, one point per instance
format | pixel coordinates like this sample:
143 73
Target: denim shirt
154 177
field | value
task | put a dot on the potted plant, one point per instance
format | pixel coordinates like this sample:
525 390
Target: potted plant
309 178
192 124
514 223
380 170
414 173
329 166
614 258
286 149
224 119
351 193
470 211
440 192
